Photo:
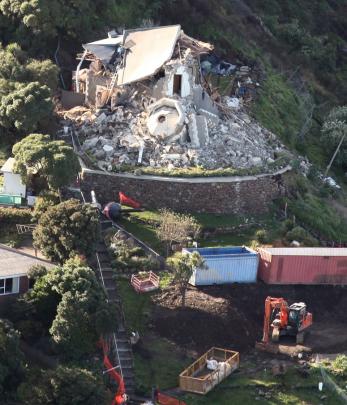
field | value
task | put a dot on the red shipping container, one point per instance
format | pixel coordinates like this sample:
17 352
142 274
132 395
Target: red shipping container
303 265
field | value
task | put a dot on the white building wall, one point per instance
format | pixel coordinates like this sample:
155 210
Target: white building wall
13 184
186 84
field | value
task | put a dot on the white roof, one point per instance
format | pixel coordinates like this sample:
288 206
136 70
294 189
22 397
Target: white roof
8 165
146 52
16 263
107 41
306 251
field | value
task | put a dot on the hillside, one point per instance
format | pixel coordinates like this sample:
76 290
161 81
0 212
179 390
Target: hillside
298 56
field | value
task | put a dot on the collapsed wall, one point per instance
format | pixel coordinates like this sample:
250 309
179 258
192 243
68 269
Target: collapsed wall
219 195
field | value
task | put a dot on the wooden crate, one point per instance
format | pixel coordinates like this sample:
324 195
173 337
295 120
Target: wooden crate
200 380
145 282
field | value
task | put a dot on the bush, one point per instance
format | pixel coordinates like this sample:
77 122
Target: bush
12 216
339 365
301 235
262 236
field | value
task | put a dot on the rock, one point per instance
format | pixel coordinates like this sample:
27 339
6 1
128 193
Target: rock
295 243
99 154
101 119
108 148
256 161
270 161
90 143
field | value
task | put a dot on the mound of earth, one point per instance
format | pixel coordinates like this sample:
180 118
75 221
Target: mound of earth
232 316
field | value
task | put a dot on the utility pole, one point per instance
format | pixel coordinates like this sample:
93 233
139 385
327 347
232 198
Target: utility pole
335 153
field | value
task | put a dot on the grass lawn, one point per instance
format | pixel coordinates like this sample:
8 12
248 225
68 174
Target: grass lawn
142 225
264 388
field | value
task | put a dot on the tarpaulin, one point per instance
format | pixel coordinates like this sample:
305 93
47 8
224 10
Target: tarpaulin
123 199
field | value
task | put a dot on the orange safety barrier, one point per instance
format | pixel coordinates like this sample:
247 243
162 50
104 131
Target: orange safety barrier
163 399
120 397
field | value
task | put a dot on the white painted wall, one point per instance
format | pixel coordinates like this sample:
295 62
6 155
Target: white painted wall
13 184
186 84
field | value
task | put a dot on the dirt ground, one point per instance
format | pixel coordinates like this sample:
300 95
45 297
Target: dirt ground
232 316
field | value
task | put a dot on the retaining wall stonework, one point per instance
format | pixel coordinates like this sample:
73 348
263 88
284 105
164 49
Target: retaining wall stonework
237 195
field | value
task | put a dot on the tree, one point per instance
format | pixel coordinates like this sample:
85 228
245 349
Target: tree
11 358
64 386
335 132
70 302
55 161
183 265
66 230
45 18
25 107
16 66
177 228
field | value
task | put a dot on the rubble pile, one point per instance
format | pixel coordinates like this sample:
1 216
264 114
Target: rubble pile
121 137
153 106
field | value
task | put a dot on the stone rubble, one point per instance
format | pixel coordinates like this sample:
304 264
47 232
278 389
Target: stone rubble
114 139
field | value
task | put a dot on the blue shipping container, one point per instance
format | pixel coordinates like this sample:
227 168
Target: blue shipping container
226 265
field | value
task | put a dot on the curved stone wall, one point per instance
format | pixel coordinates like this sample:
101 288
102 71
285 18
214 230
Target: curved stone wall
237 195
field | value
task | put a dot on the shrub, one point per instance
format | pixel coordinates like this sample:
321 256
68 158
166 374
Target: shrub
301 235
12 216
339 365
262 236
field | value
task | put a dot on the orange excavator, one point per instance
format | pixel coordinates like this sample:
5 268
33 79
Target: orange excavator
283 320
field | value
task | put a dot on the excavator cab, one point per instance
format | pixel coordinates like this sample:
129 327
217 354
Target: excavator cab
297 314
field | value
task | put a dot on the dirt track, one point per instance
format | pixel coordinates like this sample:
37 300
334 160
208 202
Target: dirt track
232 316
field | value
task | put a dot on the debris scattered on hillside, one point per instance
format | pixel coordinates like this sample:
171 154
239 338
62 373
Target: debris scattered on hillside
150 104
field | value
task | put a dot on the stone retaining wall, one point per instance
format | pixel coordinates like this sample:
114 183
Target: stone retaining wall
237 195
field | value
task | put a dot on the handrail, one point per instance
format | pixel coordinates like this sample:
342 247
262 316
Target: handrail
114 335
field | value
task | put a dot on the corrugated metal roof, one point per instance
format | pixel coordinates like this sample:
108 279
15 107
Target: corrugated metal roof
16 263
8 165
307 251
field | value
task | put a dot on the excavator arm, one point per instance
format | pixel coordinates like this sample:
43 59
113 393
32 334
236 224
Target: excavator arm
270 304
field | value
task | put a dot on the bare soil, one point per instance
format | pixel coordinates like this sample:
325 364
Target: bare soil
232 316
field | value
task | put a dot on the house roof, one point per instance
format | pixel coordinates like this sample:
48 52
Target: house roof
16 263
146 50
104 48
8 165
308 251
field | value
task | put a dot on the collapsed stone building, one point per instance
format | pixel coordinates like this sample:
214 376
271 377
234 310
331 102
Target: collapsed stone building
149 102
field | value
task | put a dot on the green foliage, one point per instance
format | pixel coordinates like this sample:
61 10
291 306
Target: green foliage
25 107
55 161
318 217
71 303
334 131
262 236
64 386
301 235
16 66
175 227
66 230
72 329
46 19
43 202
11 359
183 265
278 108
339 366
12 216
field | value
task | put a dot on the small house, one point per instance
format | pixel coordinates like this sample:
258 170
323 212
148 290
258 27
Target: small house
14 267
